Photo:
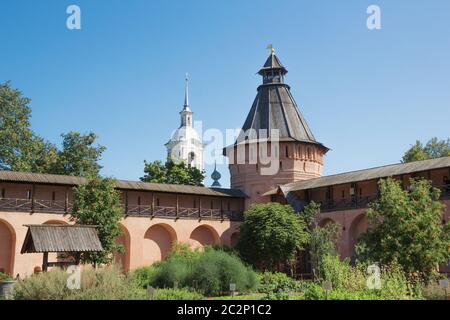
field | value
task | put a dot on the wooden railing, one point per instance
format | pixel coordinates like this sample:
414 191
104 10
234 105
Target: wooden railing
58 206
357 202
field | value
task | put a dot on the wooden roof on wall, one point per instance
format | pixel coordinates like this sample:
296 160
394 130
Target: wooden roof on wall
61 238
55 179
369 174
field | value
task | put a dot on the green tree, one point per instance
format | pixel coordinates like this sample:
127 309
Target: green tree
79 155
406 228
271 234
433 149
172 172
97 202
20 148
322 240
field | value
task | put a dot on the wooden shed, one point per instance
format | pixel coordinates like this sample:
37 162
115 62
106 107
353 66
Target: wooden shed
72 239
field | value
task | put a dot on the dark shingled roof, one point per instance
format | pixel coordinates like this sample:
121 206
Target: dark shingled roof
272 62
61 238
369 174
41 178
275 108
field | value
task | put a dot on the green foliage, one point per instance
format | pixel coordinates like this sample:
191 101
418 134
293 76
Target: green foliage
323 243
177 294
274 282
209 272
103 284
341 274
144 275
172 172
349 283
433 149
97 202
215 270
5 276
271 234
406 229
79 155
434 292
22 150
309 214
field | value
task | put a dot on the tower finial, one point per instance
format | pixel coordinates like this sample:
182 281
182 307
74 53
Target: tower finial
186 91
272 49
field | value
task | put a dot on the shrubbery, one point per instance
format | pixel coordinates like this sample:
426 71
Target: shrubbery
349 283
4 276
210 272
270 282
103 284
177 294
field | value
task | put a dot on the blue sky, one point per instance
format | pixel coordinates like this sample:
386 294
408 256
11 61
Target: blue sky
366 94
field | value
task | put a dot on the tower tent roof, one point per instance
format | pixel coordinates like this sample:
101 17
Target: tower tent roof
275 108
272 62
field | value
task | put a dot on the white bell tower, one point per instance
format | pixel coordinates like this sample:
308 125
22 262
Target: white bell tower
185 144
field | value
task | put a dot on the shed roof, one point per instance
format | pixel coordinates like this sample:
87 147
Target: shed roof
369 174
54 179
61 238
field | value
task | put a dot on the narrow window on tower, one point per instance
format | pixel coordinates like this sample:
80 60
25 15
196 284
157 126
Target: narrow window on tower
28 194
139 201
228 206
53 196
281 165
256 167
195 203
287 152
343 194
3 193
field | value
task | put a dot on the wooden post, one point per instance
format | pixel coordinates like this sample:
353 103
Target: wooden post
66 200
126 201
177 205
33 190
45 262
152 208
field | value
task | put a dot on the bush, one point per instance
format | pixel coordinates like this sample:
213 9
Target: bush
103 284
314 291
176 294
210 272
5 276
43 286
434 292
349 283
277 282
271 234
172 273
215 270
341 274
143 276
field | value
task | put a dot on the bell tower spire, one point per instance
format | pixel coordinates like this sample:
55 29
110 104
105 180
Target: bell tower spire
186 113
186 91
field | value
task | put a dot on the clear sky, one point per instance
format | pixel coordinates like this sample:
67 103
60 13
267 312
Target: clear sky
368 95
